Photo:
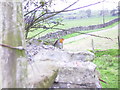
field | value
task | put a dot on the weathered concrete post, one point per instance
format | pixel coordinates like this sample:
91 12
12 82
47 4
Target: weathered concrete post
13 64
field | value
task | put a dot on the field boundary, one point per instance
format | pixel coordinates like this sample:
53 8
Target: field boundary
61 33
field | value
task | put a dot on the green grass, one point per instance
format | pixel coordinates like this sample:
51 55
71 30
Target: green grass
111 52
72 23
86 21
107 65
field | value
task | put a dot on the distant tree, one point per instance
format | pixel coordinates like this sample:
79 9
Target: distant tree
104 12
114 12
101 12
88 12
118 10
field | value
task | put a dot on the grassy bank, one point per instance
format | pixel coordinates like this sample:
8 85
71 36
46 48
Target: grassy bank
107 65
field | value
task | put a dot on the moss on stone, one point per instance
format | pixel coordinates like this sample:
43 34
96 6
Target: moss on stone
47 81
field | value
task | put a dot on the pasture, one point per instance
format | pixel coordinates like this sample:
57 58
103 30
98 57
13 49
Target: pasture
107 65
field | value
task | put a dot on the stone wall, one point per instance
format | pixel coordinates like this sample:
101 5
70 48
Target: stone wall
61 33
56 68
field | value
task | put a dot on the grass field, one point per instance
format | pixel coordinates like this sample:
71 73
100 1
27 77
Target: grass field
72 23
107 65
86 21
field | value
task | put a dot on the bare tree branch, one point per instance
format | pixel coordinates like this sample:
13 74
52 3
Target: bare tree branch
36 35
27 28
55 13
95 35
32 10
85 6
79 7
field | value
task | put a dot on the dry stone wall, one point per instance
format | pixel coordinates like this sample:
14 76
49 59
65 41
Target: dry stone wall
61 33
66 69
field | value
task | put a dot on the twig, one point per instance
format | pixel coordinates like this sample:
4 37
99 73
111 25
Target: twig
103 81
85 6
32 10
36 34
56 12
95 35
8 46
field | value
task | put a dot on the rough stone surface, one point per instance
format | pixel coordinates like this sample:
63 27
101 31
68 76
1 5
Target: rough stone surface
75 69
83 56
77 75
53 53
41 74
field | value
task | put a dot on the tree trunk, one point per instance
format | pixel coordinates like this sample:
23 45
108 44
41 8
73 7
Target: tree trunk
13 62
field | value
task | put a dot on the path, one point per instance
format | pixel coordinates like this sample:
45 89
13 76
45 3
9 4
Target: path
83 42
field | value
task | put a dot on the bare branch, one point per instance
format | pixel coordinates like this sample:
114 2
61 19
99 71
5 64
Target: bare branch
55 13
33 10
8 46
95 35
85 6
78 7
36 34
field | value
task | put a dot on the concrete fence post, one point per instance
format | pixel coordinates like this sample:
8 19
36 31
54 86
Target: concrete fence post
13 64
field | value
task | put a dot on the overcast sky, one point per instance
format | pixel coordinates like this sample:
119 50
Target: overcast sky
108 4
